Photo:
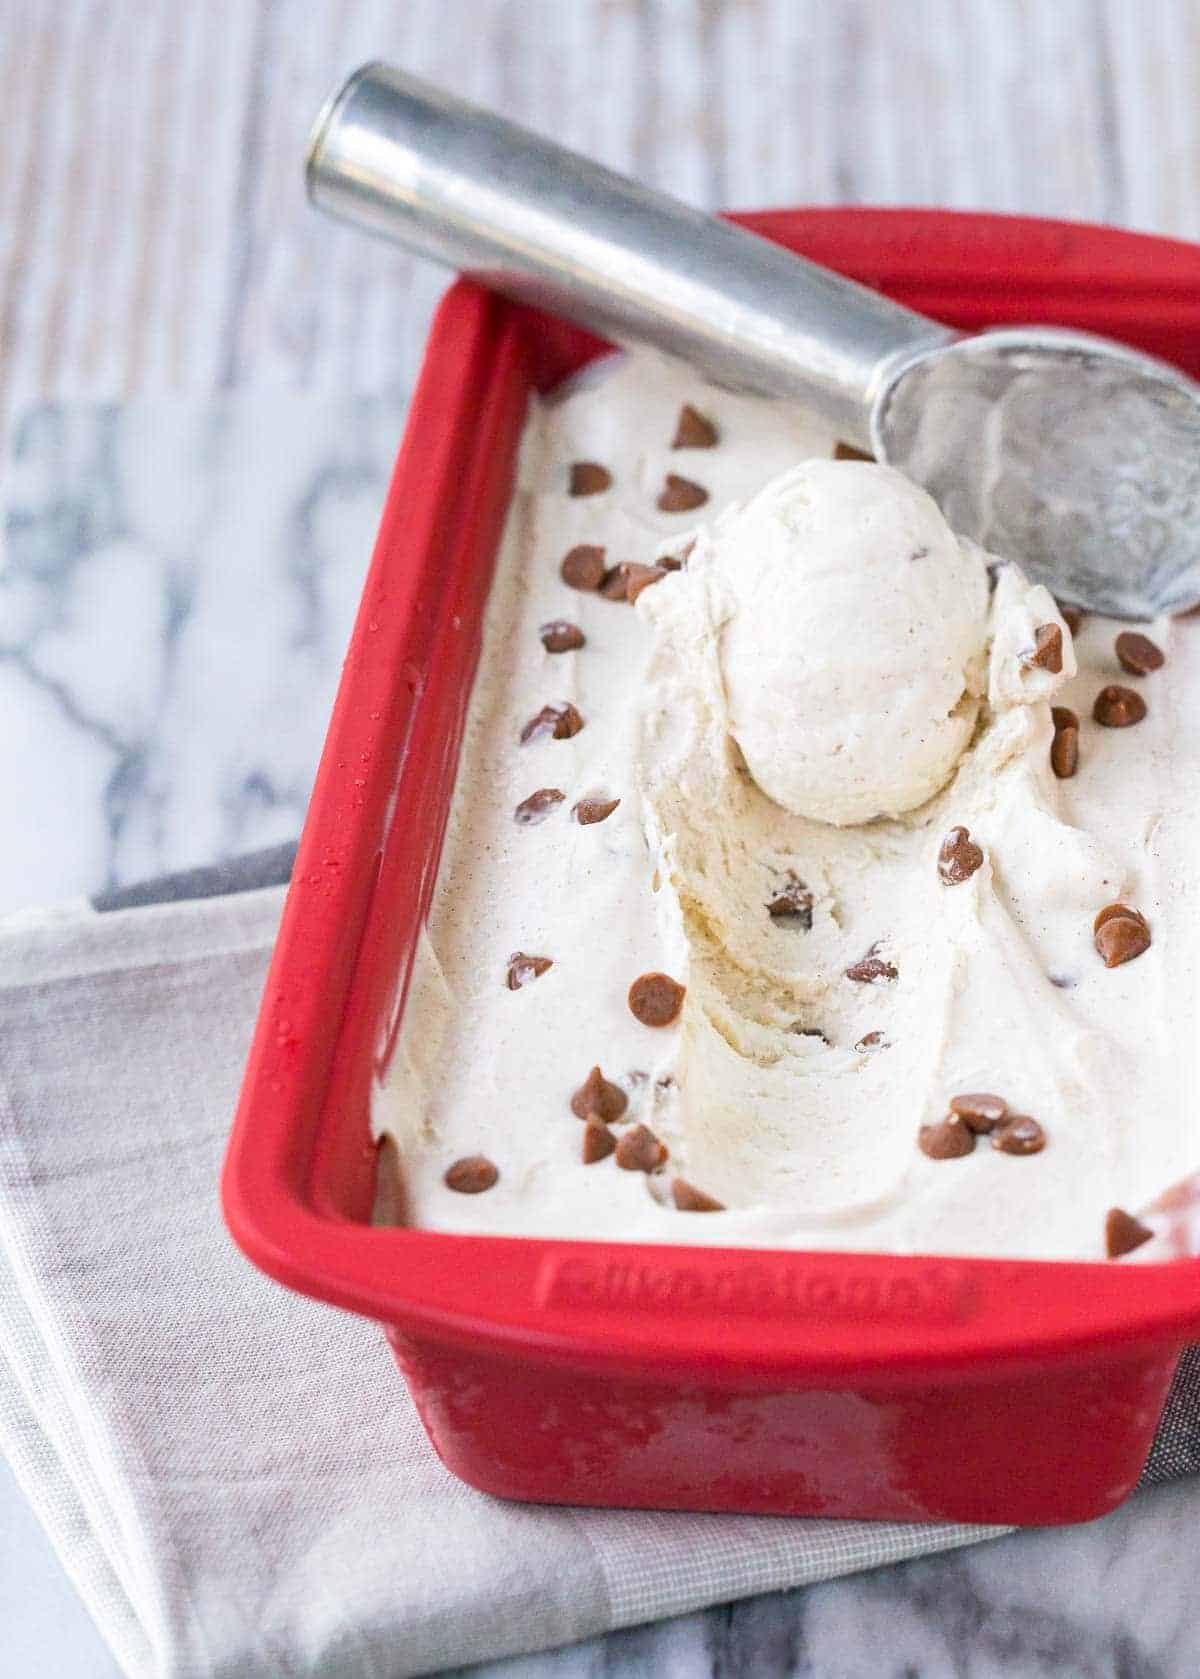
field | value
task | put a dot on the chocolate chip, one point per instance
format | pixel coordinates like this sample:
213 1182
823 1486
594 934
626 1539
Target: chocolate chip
1137 653
471 1175
560 721
391 1191
949 1139
1047 650
627 580
598 1142
599 1098
793 904
689 1199
1118 707
799 1030
1063 717
871 969
1120 934
639 1150
614 584
680 495
959 857
1072 617
1064 752
588 811
847 452
558 636
522 968
1110 912
870 1042
589 478
694 430
656 999
1123 1233
1019 1135
538 806
677 560
979 1111
584 566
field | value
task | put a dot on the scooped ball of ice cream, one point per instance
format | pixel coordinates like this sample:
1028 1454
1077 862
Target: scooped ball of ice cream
854 653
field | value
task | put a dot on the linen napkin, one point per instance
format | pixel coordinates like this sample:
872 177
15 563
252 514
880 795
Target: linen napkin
235 1477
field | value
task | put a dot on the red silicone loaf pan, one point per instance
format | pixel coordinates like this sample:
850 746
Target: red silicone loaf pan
665 1377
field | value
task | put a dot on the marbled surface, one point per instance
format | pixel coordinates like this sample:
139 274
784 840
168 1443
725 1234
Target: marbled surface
176 595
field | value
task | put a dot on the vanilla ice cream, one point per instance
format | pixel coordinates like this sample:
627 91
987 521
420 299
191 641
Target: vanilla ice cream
854 644
746 882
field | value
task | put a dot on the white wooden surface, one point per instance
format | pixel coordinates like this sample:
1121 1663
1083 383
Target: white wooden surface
153 233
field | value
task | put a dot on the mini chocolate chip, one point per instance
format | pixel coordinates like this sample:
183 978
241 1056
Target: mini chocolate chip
614 584
1111 911
959 857
800 1030
598 1142
589 478
677 560
1123 1233
560 721
871 969
1064 752
656 999
847 452
523 968
979 1111
537 807
1019 1135
1047 651
639 1150
1072 617
599 1098
689 1199
680 495
627 580
1117 707
639 577
391 1190
694 430
870 1042
588 811
1137 653
793 904
1063 717
471 1175
584 566
1121 938
558 636
948 1139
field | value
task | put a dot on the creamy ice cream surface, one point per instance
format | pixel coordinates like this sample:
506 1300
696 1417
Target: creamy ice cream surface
854 644
851 874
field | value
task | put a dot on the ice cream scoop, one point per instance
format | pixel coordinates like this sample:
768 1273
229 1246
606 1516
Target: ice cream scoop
854 644
1078 454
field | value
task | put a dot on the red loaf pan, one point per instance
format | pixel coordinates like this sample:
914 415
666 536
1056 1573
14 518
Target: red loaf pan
669 1377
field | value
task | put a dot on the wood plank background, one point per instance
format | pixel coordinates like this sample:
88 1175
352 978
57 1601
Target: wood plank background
154 234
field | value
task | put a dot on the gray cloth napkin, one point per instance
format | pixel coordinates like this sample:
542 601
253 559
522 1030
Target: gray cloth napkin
235 1477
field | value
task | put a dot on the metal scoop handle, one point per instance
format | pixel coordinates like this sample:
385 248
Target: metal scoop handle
546 226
